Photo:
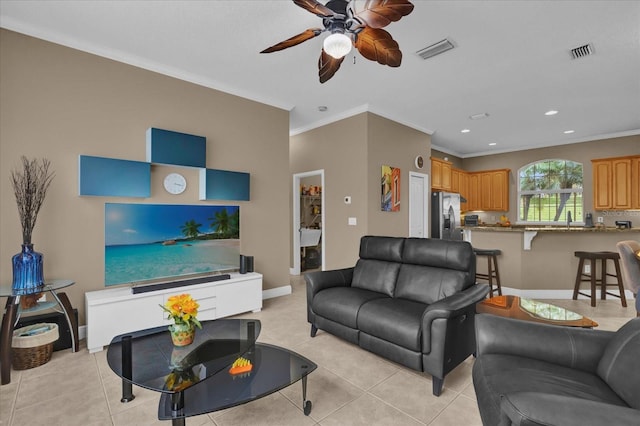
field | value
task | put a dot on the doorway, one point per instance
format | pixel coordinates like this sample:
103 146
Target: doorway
308 231
418 205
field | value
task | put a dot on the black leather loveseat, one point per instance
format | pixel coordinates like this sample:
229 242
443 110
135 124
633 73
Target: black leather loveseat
532 374
410 300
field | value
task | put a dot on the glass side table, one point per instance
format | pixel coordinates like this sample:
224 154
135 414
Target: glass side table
11 316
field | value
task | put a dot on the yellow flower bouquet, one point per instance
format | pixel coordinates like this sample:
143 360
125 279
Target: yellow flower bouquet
182 309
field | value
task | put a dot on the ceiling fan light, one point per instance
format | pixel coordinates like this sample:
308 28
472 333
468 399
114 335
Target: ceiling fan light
337 45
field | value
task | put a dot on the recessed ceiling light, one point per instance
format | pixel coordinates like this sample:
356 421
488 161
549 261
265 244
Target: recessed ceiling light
479 116
322 108
551 112
568 132
465 131
493 144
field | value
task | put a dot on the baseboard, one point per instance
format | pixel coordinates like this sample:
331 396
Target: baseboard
553 294
276 292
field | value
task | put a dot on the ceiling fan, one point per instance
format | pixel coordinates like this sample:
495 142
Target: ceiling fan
362 29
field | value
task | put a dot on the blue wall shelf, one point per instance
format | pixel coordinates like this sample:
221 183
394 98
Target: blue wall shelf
224 185
175 148
113 177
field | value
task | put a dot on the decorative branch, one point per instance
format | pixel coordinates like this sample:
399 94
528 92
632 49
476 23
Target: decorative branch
30 188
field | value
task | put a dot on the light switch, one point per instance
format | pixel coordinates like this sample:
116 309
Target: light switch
353 221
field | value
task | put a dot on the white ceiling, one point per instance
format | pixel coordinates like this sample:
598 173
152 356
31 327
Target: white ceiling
511 61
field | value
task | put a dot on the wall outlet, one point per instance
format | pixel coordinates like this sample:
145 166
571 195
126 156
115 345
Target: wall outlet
587 269
600 219
352 221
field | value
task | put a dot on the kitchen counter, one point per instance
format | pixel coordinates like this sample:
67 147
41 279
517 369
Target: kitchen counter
530 232
521 228
540 262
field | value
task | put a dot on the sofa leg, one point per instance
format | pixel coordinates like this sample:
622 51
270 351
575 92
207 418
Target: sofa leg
437 385
314 330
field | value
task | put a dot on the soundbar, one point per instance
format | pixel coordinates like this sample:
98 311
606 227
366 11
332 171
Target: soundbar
172 284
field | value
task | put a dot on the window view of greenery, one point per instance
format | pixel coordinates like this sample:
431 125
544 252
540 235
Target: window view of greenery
548 190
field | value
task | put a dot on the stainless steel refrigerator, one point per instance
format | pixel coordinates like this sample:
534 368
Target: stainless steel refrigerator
445 216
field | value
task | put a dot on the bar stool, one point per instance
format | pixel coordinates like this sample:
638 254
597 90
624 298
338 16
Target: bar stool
581 276
492 269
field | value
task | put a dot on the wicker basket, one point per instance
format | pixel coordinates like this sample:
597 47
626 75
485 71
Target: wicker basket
29 351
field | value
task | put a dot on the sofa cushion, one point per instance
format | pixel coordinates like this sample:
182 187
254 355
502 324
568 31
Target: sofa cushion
395 320
497 374
342 304
619 363
376 275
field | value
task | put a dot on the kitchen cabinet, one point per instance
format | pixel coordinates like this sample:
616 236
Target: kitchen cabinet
473 200
635 183
616 183
484 190
440 174
455 180
488 190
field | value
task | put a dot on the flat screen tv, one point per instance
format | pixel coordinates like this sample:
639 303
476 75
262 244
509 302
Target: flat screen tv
151 242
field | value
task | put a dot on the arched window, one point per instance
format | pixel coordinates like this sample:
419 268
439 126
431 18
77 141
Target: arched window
548 190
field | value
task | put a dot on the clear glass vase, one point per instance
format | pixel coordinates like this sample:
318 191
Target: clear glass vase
27 271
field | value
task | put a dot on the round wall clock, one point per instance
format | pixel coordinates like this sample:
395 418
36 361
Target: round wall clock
175 183
419 162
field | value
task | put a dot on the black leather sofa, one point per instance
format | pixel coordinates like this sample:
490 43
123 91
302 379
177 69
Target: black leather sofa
532 374
409 300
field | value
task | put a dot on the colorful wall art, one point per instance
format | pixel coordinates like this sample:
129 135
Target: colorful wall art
146 242
390 189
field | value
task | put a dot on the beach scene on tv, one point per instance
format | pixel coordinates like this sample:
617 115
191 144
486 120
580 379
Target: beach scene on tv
150 242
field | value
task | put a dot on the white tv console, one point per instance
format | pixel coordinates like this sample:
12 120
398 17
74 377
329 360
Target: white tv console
111 312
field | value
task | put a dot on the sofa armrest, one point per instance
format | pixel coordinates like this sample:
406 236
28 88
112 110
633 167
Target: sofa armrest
320 280
568 346
538 409
455 304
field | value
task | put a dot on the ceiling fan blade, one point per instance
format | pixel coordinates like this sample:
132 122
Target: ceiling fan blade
380 13
377 45
297 39
315 7
327 66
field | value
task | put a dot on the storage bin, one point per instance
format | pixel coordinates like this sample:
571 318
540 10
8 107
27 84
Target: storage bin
32 350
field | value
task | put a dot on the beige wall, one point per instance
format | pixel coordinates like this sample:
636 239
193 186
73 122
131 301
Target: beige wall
59 103
351 152
580 152
340 149
396 145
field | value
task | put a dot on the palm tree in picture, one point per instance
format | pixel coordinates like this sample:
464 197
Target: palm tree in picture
190 229
220 222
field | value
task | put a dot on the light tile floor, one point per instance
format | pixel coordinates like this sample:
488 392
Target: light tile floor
350 386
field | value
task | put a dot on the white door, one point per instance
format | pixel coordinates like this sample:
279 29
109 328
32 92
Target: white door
418 204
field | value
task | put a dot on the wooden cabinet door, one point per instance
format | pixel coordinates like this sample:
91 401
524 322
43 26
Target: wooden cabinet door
602 185
473 200
635 183
436 174
485 191
455 180
500 190
621 183
464 190
446 176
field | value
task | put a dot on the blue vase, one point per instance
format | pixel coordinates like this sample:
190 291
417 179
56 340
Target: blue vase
27 271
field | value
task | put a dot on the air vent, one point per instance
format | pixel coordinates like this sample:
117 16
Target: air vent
435 49
582 51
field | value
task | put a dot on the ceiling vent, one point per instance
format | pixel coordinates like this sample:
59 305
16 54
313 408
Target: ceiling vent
435 49
582 51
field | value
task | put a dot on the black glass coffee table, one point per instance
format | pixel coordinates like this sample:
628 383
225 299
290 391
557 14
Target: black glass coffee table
199 378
